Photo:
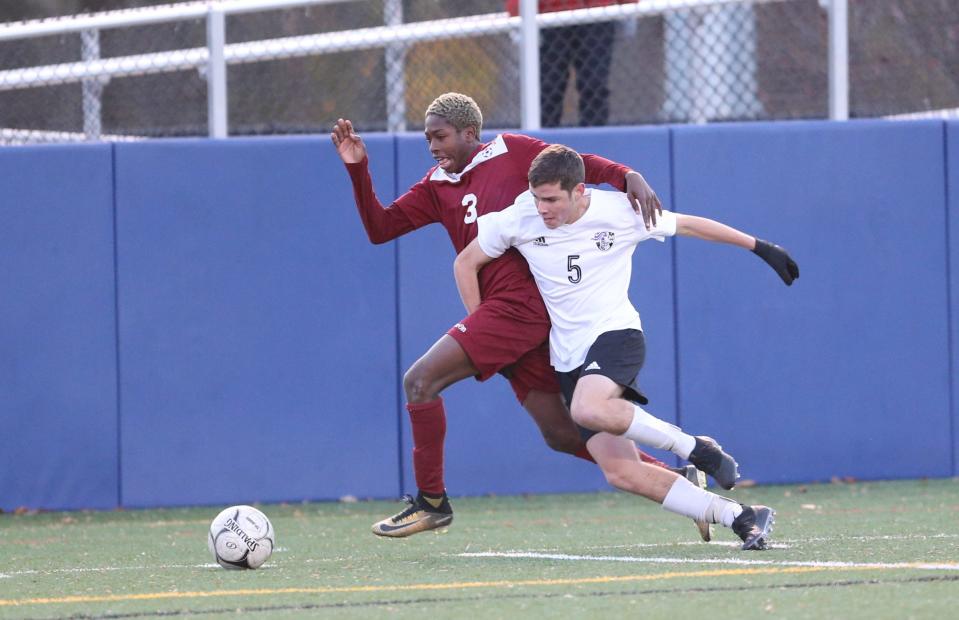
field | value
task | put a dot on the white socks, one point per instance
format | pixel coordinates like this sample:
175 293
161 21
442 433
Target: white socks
687 499
723 511
653 432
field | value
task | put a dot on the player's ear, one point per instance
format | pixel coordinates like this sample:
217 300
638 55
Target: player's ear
469 134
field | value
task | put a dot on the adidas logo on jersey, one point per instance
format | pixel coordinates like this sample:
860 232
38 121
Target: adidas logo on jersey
592 366
540 241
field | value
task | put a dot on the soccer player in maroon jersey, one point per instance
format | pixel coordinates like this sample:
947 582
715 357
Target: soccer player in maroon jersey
509 332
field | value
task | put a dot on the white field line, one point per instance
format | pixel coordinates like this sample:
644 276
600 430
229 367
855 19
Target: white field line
99 569
613 558
779 543
870 538
547 554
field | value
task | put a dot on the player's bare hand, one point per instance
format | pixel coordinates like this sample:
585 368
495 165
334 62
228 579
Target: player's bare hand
643 198
348 143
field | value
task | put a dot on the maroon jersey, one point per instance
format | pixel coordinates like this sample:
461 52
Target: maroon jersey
492 180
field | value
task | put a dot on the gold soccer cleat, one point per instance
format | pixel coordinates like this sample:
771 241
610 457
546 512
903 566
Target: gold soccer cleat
421 515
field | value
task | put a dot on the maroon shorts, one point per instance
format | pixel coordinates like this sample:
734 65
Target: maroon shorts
513 338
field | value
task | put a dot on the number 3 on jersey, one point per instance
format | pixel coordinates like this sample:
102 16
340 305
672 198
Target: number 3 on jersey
469 201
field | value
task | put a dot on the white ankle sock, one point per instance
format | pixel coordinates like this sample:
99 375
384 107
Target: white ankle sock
730 510
686 499
648 430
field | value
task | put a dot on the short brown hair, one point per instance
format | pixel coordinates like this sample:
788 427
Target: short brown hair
459 110
557 164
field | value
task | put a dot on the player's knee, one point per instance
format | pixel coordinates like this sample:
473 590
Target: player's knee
587 414
419 386
566 441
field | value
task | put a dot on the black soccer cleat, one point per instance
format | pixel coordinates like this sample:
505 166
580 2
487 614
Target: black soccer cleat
422 514
754 525
709 457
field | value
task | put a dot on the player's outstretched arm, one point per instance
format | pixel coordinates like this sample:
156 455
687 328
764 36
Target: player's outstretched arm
711 230
348 143
466 269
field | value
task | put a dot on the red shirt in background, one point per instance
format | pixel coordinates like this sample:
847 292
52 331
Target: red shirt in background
550 6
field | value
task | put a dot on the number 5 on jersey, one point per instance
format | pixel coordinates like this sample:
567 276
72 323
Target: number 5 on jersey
469 201
574 269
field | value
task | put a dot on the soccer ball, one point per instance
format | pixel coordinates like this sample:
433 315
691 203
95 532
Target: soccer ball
241 537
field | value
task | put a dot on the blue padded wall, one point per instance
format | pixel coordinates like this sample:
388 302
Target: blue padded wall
846 373
489 435
257 330
262 338
952 171
58 448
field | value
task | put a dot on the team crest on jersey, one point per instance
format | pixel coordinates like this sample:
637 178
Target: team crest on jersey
604 240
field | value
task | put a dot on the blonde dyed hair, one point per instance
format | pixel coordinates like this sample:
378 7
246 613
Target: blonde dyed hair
459 110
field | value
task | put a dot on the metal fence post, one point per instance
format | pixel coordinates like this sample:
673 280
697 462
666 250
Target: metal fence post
216 73
529 65
838 59
92 87
395 70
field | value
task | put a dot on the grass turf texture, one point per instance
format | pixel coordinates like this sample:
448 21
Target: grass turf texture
865 550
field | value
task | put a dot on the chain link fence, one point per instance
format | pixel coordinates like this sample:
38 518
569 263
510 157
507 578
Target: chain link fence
903 57
295 70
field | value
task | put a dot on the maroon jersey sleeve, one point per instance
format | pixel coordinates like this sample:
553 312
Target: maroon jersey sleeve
601 170
410 211
598 169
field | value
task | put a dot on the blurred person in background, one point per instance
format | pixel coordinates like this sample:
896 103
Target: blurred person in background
586 49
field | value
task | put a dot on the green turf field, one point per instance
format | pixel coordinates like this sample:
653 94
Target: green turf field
875 550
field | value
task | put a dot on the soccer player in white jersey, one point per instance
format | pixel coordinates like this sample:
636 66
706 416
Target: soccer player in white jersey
579 245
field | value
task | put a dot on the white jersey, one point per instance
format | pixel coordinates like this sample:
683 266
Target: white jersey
582 269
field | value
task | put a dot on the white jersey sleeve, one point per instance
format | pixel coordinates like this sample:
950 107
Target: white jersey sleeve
665 227
500 230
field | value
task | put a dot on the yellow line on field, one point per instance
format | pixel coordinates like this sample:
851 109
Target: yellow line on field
150 596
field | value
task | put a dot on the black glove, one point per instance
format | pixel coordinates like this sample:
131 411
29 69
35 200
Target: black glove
779 259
